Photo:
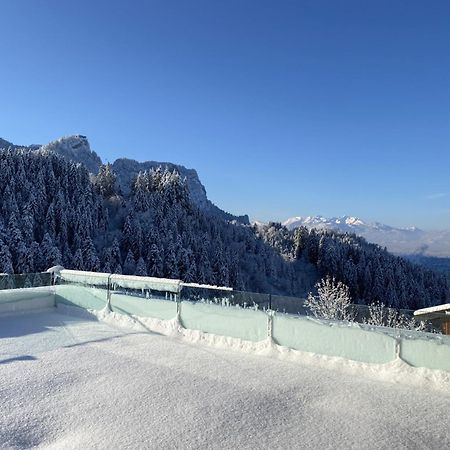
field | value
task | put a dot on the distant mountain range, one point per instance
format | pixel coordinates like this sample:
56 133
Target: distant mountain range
402 241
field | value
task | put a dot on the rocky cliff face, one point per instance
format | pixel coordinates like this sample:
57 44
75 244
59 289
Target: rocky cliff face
127 169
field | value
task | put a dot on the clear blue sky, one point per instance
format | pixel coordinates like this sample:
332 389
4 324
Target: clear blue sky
284 107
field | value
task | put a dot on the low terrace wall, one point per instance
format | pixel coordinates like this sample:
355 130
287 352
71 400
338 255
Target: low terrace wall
347 340
13 300
332 338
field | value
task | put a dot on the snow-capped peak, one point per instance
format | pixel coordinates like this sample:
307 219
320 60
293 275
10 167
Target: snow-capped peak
354 221
343 223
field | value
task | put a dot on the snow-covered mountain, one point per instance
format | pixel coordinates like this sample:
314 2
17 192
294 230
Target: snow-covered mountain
77 148
404 241
344 224
126 169
6 144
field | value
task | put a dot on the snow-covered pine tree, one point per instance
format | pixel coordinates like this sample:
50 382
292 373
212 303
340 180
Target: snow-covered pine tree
155 262
129 266
141 268
105 181
6 265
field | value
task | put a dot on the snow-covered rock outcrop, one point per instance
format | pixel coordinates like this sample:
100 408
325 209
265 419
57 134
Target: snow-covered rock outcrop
75 148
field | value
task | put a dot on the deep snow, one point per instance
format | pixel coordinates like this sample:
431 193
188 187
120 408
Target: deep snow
69 381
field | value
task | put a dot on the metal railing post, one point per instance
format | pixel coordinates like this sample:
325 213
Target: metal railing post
270 324
178 300
398 343
108 293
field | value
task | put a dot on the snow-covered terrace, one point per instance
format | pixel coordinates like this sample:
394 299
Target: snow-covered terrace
78 381
72 378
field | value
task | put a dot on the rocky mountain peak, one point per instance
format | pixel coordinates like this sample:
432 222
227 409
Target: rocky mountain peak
75 148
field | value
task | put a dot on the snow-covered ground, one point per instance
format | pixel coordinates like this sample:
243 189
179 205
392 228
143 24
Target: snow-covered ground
69 381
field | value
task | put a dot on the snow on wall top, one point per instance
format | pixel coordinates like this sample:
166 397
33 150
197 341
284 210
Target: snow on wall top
206 286
78 276
128 281
155 284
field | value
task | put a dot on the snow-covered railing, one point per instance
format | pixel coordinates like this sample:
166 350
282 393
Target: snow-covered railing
86 278
127 281
92 290
146 283
24 280
173 289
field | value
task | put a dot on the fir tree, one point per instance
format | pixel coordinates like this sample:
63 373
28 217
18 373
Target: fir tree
129 266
